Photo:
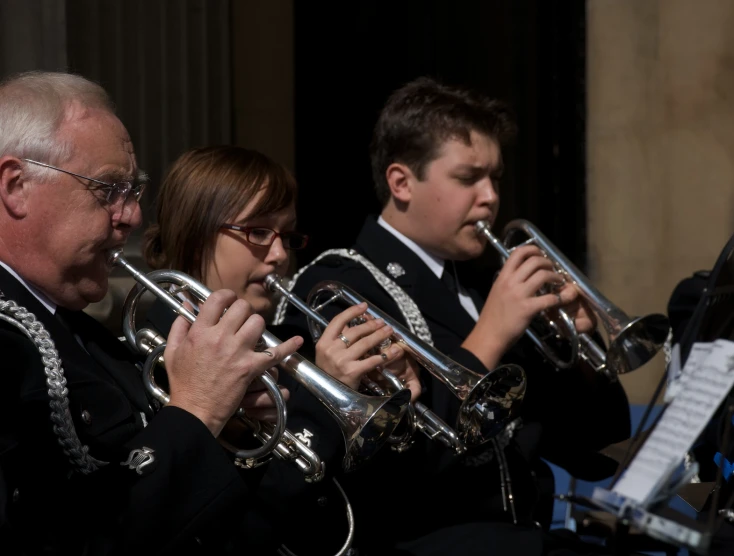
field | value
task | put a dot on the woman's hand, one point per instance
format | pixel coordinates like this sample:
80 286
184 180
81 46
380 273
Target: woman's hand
348 353
406 370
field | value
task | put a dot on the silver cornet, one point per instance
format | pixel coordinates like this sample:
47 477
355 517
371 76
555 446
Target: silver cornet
366 421
488 401
418 416
632 341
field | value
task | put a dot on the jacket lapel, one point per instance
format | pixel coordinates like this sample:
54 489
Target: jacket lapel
72 355
105 358
437 303
113 356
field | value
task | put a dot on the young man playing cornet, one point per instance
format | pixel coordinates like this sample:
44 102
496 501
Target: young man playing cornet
436 158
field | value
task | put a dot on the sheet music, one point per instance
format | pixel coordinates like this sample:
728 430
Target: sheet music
706 379
673 371
699 352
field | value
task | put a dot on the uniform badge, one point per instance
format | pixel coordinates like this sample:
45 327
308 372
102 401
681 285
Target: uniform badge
305 437
395 270
141 460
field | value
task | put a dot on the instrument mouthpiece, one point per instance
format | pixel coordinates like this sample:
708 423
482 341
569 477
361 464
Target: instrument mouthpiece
113 255
482 225
271 281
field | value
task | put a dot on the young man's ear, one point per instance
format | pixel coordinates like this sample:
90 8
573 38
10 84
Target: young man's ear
400 179
14 188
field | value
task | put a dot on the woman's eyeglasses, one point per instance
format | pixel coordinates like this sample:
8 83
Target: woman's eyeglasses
264 237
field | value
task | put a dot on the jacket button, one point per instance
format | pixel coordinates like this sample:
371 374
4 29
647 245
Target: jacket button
322 501
86 417
16 495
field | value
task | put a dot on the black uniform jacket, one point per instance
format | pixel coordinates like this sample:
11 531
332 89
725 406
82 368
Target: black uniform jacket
285 509
568 416
183 503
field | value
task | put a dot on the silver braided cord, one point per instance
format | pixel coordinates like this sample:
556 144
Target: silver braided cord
416 323
63 426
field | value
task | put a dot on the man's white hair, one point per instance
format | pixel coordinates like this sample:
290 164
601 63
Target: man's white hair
33 105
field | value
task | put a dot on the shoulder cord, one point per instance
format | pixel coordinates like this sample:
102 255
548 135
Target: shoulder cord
406 305
63 426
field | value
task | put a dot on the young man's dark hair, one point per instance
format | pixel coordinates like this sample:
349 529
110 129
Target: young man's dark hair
421 115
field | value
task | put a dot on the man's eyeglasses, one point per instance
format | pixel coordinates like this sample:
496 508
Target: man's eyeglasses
115 194
264 237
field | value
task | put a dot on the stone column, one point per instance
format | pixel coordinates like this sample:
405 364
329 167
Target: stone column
660 150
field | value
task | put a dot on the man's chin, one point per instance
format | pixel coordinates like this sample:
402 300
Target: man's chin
94 291
468 251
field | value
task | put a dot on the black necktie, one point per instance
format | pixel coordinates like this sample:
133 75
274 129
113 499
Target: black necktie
64 316
449 278
60 317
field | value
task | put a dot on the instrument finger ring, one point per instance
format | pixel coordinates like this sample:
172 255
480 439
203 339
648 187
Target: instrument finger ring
343 338
402 380
384 356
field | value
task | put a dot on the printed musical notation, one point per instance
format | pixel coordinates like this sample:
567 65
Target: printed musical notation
704 382
698 354
673 374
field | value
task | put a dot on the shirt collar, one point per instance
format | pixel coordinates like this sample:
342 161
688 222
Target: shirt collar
38 294
436 264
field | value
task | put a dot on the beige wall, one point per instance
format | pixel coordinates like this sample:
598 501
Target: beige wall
660 150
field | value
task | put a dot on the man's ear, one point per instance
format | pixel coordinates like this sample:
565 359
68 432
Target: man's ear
14 188
400 179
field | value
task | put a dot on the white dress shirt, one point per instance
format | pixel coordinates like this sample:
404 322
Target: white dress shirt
434 263
50 305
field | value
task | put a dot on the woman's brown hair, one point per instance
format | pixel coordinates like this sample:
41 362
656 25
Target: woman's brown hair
205 188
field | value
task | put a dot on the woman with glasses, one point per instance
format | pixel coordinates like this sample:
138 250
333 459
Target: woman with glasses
226 216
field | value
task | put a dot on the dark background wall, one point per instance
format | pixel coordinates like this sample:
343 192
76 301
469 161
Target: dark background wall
304 81
348 60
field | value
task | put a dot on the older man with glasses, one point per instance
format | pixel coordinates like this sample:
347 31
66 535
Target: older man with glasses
86 464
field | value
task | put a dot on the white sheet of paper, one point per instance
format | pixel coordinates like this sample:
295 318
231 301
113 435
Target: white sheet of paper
706 379
699 352
674 371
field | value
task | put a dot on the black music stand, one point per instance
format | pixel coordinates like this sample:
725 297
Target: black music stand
713 317
667 529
